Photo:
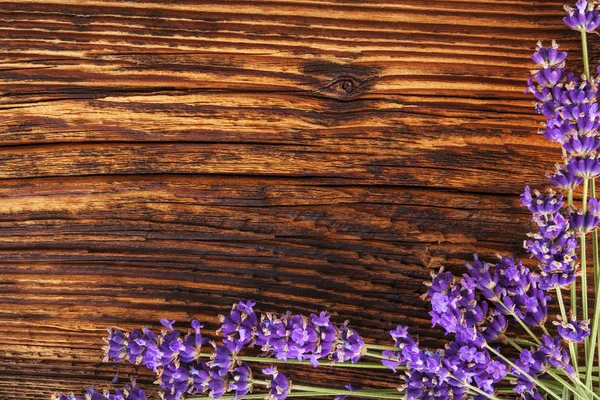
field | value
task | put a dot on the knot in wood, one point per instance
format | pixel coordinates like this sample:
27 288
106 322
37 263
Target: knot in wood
344 87
341 81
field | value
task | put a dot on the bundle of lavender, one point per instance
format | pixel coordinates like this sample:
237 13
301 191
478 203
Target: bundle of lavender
557 359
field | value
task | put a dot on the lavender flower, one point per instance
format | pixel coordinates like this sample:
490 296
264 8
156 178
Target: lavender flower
192 343
461 307
116 347
553 245
555 354
174 380
470 363
314 338
207 379
130 392
588 168
536 361
572 330
587 222
408 349
547 86
584 17
239 327
222 360
549 57
327 337
565 179
350 347
241 380
539 204
528 365
279 384
291 336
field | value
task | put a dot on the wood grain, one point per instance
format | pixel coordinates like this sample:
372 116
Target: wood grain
166 158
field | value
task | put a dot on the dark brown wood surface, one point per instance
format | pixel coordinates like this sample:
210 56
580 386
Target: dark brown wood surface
167 158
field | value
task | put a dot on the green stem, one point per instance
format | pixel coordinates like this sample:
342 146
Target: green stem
477 390
596 280
378 347
523 324
593 339
545 329
375 355
565 384
586 62
514 344
516 368
595 242
574 284
584 288
563 313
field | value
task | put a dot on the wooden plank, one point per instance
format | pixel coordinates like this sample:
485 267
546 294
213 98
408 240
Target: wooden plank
164 159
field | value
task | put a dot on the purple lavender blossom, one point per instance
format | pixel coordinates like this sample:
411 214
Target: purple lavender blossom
540 204
170 343
134 392
547 86
241 380
536 361
279 385
470 363
142 348
430 379
584 17
443 374
549 57
460 307
555 354
130 392
584 223
327 337
174 380
206 379
564 178
584 168
528 365
350 347
572 330
239 327
192 343
291 336
408 349
554 246
222 360
116 347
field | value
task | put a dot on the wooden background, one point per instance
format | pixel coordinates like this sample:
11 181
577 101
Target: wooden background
166 158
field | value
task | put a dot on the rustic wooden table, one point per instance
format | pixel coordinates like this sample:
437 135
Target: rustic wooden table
166 158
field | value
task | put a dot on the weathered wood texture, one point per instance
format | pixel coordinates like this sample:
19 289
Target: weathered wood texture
165 158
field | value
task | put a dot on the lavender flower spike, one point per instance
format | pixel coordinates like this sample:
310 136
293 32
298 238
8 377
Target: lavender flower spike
584 17
587 222
279 385
572 330
130 392
239 327
116 347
